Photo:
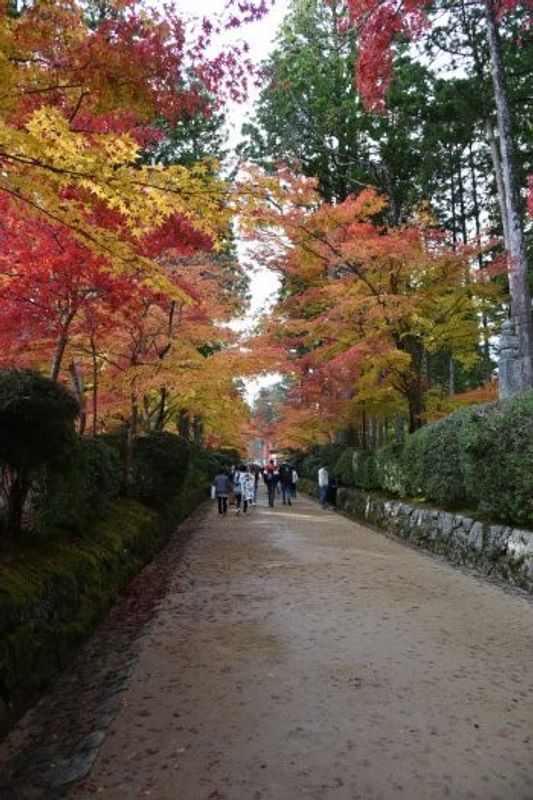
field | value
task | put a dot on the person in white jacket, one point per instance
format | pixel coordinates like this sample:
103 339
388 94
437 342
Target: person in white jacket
247 485
323 481
294 481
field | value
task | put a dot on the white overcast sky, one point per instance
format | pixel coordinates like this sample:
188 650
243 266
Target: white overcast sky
259 36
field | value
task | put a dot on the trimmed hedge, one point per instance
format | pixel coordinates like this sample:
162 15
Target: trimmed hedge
160 464
66 500
479 458
54 588
344 467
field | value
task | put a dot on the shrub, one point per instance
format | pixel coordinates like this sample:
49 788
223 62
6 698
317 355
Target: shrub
68 498
160 462
434 460
344 467
296 460
103 472
329 454
388 468
36 433
497 443
310 466
416 462
364 471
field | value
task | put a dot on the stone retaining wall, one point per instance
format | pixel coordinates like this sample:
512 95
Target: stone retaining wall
52 597
494 549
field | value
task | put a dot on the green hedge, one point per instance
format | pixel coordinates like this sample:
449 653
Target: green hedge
498 464
54 588
479 458
344 466
65 500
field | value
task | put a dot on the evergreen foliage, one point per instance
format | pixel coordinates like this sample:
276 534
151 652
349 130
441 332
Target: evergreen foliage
479 458
36 433
160 462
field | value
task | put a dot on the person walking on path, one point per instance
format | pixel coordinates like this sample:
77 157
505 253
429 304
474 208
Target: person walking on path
237 488
285 478
247 485
294 481
222 486
256 474
323 482
271 478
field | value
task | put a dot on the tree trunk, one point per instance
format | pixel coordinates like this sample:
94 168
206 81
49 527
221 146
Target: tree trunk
475 200
79 392
451 386
198 430
498 177
373 433
61 344
477 223
160 419
452 200
411 384
518 284
184 424
399 428
130 441
95 386
462 208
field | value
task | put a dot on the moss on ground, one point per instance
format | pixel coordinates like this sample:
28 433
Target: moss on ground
54 591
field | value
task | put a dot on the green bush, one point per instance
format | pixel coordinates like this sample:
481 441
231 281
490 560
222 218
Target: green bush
160 463
103 472
497 442
414 462
67 499
329 455
480 457
434 460
36 435
364 470
389 471
344 467
310 466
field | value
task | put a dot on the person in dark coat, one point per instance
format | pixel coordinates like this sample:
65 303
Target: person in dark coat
271 479
222 484
333 485
285 479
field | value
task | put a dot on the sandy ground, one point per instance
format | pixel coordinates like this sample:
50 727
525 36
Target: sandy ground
300 655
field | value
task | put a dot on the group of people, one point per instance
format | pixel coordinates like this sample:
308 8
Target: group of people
283 476
243 482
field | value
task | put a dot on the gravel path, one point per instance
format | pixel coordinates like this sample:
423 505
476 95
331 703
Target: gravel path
300 656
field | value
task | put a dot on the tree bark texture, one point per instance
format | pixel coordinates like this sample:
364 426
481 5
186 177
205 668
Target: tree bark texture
518 285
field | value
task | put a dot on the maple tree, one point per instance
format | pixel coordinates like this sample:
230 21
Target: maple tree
362 304
115 264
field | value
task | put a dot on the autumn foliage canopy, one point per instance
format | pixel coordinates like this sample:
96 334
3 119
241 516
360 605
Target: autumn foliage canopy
116 273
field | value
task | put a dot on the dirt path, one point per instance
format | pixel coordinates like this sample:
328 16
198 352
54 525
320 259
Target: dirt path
299 655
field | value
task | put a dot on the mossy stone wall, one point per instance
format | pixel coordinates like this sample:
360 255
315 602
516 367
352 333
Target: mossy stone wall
54 592
499 550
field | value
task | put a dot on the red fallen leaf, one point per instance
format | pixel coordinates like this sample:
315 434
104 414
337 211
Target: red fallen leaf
216 795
